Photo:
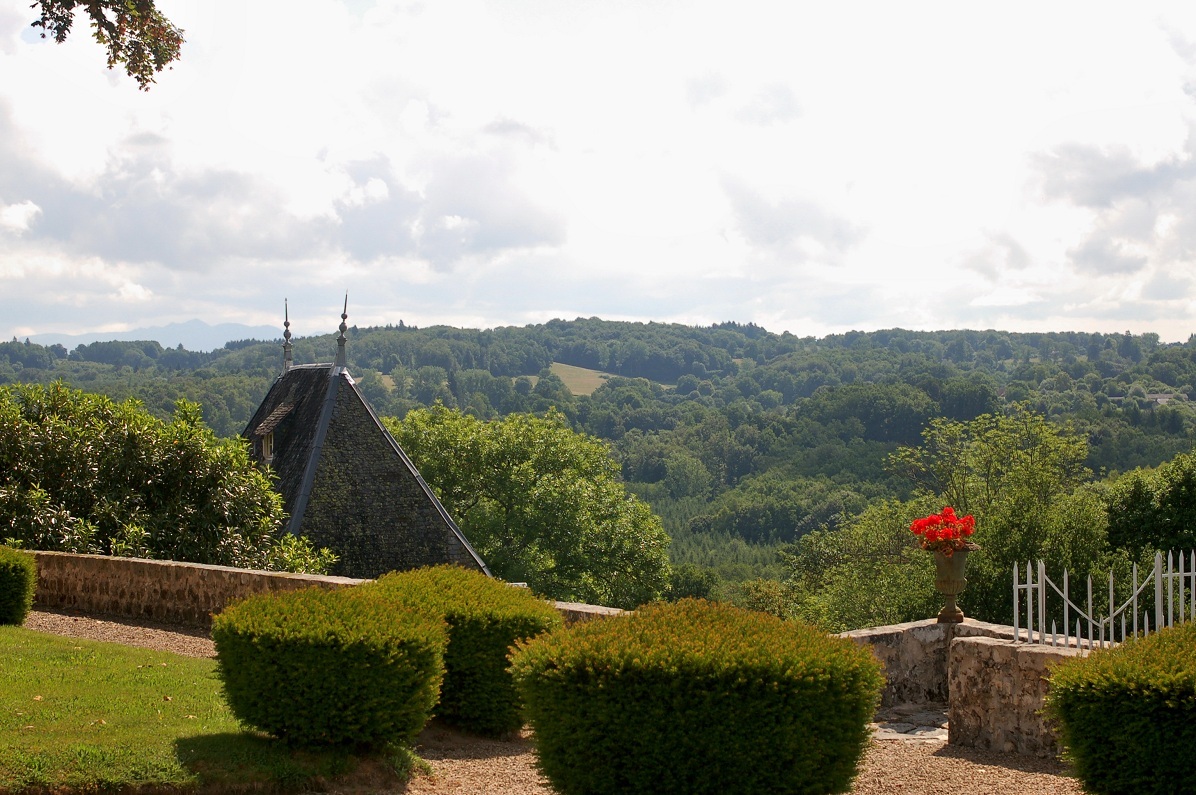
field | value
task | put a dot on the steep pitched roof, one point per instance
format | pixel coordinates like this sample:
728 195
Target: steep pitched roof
346 483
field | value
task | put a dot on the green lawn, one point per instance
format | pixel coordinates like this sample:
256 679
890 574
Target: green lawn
79 714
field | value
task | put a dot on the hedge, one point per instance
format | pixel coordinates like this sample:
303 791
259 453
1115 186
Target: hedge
1127 715
697 697
319 667
18 583
485 618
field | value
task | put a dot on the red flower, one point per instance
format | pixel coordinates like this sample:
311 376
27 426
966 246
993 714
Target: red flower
943 531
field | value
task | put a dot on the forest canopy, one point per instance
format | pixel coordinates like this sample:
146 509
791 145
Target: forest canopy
743 441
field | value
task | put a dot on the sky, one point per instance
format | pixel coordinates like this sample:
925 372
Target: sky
811 167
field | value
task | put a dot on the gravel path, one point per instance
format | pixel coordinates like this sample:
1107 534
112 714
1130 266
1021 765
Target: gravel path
466 765
128 631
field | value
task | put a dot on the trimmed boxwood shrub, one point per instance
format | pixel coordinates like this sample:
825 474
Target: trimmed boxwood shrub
318 667
18 583
485 617
697 697
1127 716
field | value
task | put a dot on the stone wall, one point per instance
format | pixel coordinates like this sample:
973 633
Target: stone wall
994 688
997 689
187 594
915 656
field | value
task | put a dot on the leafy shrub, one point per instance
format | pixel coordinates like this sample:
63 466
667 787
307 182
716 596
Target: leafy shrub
1127 715
697 697
82 473
319 667
18 582
485 619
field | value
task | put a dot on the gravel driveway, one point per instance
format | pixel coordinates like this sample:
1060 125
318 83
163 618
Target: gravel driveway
466 765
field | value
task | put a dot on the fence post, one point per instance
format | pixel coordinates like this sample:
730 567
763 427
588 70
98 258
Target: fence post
1170 590
1135 598
1042 601
1091 634
1029 603
1066 604
1016 604
1112 607
1181 586
1158 591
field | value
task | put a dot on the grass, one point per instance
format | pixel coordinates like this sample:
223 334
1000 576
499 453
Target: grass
579 380
84 715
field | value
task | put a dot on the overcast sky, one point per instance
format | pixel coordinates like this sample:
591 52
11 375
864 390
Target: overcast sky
810 167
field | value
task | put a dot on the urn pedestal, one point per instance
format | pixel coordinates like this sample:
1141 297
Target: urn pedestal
950 582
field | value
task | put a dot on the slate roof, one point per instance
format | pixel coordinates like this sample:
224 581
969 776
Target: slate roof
346 483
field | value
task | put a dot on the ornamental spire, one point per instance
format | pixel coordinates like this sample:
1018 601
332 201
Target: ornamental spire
341 357
286 337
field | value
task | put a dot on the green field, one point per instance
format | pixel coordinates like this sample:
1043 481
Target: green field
579 380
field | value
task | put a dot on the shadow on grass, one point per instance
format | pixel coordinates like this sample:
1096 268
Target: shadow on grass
242 761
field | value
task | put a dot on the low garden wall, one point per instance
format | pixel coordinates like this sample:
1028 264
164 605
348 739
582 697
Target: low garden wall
160 590
916 656
187 594
997 690
994 687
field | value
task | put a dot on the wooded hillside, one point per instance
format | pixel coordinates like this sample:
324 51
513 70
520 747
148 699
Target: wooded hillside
741 439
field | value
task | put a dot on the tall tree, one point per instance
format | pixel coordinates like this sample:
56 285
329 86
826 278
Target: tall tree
1020 475
542 504
1155 509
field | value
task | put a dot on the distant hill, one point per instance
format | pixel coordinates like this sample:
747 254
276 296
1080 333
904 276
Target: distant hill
194 335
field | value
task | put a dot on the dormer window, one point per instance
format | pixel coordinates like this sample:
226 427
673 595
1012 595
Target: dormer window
265 430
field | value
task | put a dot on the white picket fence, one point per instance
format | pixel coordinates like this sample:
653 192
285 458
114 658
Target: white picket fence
1167 581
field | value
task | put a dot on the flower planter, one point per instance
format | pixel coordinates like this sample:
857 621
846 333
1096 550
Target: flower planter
950 582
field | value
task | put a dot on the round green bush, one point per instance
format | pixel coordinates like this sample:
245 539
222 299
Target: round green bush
1126 716
697 697
485 617
18 583
318 667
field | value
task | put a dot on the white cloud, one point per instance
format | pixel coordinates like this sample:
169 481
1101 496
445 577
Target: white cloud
18 217
809 167
1007 296
133 292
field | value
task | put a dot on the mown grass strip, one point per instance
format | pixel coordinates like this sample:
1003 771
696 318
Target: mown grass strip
78 714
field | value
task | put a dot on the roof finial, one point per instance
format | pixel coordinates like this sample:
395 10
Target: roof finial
286 337
341 357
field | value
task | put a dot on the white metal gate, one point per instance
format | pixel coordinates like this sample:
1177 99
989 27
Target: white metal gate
1174 588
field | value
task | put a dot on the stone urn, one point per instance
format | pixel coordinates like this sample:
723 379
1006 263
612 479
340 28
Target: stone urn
950 582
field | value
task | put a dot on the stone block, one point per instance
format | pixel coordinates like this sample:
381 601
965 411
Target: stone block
997 691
